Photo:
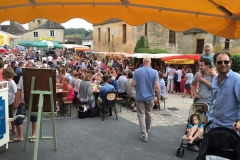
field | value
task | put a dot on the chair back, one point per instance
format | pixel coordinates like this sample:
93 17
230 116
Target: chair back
111 96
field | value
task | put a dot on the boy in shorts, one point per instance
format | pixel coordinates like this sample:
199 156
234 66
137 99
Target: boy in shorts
8 75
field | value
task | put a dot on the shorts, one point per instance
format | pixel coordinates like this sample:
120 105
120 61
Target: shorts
10 111
100 99
187 86
22 111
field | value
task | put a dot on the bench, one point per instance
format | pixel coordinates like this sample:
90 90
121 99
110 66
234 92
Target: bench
119 101
67 103
163 100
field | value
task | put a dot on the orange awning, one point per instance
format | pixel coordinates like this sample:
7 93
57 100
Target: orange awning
82 49
218 17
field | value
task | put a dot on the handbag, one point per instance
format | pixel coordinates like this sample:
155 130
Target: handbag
93 112
83 110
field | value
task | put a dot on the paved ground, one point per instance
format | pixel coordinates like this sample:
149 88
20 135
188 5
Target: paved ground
112 139
92 139
175 113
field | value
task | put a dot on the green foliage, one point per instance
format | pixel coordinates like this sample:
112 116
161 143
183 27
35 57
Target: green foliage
140 44
80 32
141 47
149 50
235 62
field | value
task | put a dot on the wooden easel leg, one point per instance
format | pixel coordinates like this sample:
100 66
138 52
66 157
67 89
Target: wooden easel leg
39 123
53 116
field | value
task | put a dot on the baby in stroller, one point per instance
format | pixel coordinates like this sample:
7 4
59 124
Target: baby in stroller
195 128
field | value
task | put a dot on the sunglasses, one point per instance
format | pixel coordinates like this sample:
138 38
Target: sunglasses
221 62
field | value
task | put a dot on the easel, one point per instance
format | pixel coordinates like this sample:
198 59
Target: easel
40 113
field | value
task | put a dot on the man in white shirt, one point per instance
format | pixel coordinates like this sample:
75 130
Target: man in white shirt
50 59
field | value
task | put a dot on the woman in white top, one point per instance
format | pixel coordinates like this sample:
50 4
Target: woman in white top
189 79
170 73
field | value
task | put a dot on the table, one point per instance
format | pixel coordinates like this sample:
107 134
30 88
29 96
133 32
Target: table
58 91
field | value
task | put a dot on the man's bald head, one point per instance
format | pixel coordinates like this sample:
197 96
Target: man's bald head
146 61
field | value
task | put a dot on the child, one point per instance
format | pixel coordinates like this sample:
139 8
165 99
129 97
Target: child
21 111
8 74
195 129
207 53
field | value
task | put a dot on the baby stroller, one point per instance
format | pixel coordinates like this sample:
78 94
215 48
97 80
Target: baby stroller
220 143
200 109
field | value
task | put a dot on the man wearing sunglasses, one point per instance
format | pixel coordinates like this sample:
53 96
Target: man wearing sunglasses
225 96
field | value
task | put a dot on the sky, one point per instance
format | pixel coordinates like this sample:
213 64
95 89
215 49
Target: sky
73 23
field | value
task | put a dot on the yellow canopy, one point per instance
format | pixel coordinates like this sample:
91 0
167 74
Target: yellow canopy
180 61
219 17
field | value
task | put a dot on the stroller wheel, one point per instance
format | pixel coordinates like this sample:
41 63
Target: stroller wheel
180 152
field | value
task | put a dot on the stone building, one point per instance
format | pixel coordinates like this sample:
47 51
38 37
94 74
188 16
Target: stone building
116 35
88 41
48 30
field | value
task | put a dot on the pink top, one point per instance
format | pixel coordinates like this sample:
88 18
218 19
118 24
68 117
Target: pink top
70 95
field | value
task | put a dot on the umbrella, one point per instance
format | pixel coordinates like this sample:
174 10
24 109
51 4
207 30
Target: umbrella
218 17
182 59
47 44
3 50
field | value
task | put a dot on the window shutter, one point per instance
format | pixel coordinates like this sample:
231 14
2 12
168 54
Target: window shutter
55 33
49 33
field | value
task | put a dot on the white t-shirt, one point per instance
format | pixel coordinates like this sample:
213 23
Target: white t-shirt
99 64
50 58
20 86
171 72
44 58
12 90
189 78
179 72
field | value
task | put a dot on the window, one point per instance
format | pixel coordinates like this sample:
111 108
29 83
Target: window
227 42
99 34
51 24
124 28
52 33
146 29
35 34
108 34
172 37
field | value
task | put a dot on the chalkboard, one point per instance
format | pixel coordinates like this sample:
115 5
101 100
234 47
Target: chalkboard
41 83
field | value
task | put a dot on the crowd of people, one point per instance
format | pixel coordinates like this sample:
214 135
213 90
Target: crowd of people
82 75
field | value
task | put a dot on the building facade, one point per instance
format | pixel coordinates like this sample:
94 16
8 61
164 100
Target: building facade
88 41
116 35
46 31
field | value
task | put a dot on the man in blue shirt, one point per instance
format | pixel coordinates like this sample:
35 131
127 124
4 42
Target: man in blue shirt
145 80
225 97
103 90
112 82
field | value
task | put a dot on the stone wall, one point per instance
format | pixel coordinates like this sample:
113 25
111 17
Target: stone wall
116 38
42 33
34 24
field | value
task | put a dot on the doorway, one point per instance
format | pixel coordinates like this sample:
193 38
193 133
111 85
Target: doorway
200 44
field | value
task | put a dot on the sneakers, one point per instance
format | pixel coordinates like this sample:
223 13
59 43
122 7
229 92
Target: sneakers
143 138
